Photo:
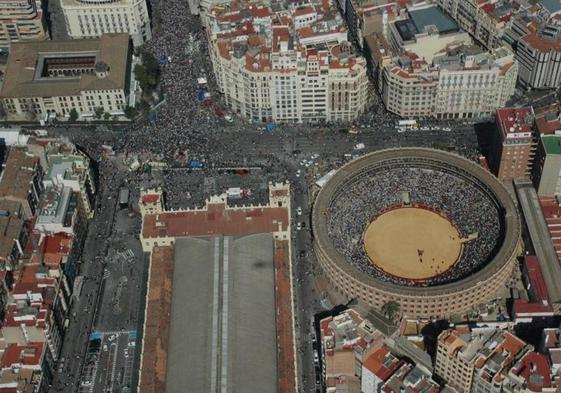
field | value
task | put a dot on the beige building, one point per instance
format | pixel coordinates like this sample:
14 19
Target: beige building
271 66
456 352
50 78
20 21
90 19
480 18
436 71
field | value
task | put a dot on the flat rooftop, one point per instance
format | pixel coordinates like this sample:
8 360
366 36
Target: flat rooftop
422 18
227 338
540 237
30 62
218 218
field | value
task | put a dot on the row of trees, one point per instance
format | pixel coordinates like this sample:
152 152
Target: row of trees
148 76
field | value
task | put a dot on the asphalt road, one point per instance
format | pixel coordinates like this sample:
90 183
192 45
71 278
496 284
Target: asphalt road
279 156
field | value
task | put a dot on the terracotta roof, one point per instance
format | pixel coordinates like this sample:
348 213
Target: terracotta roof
217 219
541 44
534 368
157 321
377 363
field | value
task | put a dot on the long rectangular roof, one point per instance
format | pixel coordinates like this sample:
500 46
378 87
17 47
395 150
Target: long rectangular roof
223 332
541 240
26 58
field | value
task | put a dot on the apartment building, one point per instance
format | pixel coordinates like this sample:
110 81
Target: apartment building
457 350
87 19
347 341
21 21
21 180
378 369
72 170
14 234
547 167
514 157
539 56
448 77
290 64
485 20
494 360
47 79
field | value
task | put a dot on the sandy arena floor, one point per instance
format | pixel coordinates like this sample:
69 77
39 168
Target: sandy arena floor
412 243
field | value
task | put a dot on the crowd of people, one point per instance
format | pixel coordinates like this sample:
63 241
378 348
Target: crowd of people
474 214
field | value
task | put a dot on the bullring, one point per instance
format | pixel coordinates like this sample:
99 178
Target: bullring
476 252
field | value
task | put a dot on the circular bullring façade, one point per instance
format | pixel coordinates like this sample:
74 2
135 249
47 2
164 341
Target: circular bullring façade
427 229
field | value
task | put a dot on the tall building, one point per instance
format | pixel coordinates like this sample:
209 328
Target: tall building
436 71
547 168
90 19
46 79
517 141
293 64
539 56
21 20
457 350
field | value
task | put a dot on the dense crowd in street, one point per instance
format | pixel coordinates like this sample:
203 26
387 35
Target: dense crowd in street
470 210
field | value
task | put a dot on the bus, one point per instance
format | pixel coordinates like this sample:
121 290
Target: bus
124 197
408 123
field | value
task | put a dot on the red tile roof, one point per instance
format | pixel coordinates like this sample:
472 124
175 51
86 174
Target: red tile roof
534 368
377 364
216 220
540 44
29 354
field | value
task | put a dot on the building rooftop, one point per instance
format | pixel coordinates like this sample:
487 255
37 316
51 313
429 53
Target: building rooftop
410 379
65 167
515 123
540 237
55 68
542 43
11 226
54 207
382 363
552 144
547 120
552 6
15 181
497 355
432 16
218 217
534 369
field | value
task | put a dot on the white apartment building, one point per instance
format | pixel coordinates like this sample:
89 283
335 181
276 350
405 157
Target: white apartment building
21 20
539 57
90 19
50 78
435 71
267 72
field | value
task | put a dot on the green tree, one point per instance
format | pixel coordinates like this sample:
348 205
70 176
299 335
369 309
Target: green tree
148 72
106 116
73 115
98 112
130 112
391 310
